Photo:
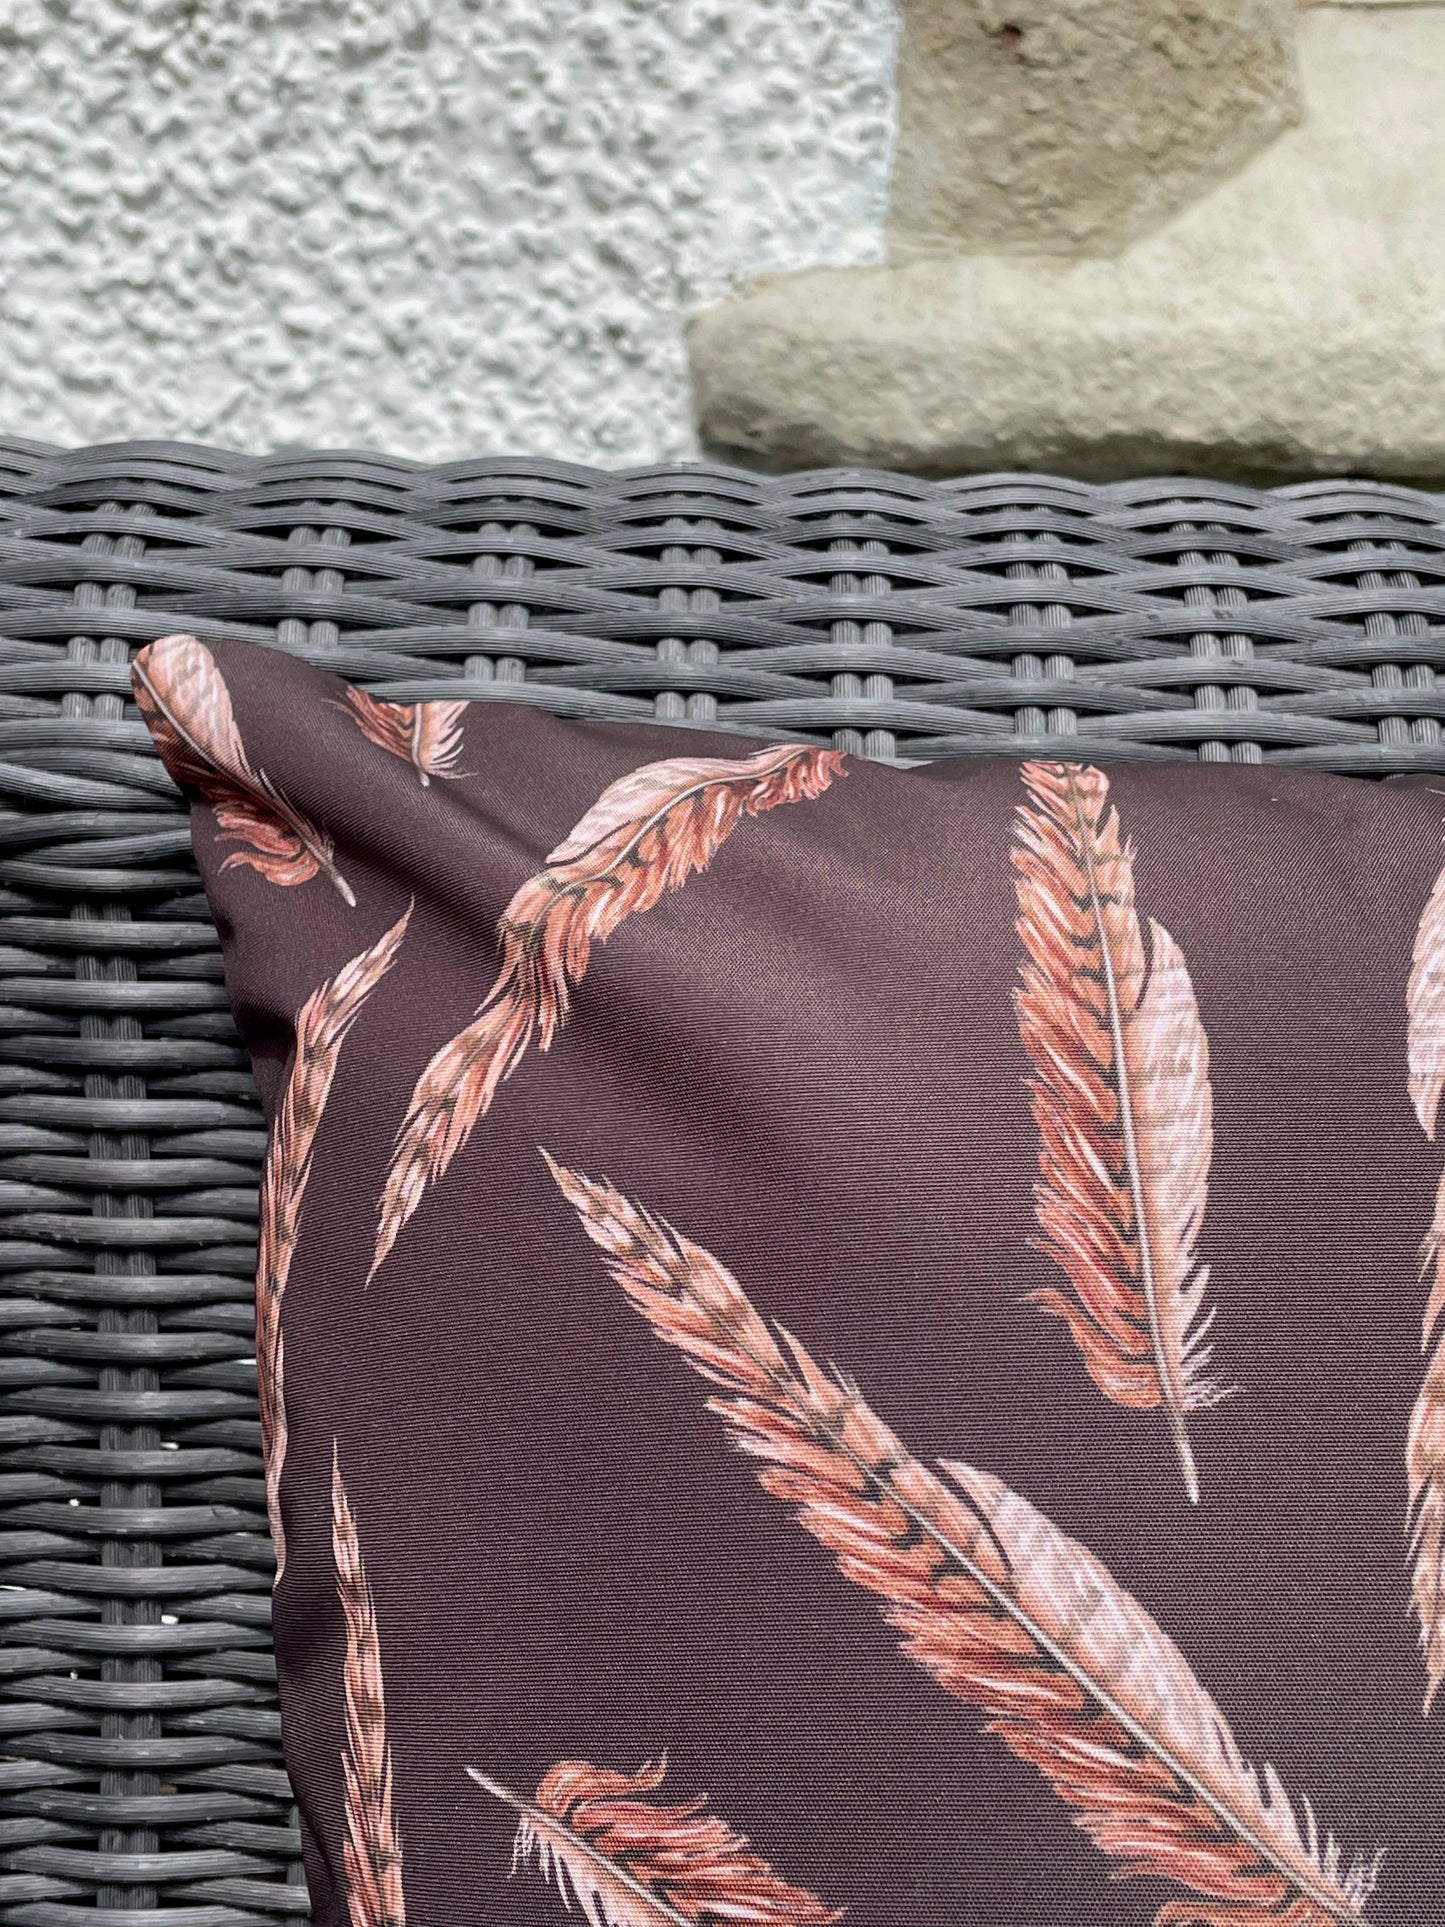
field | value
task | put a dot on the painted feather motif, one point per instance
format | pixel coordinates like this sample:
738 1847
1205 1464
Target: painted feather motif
646 834
1426 1002
1426 1463
1122 1101
321 1028
426 735
183 697
372 1852
1426 1444
997 1604
630 1862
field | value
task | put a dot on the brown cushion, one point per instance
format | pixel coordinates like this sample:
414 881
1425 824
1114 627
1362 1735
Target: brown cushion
887 1302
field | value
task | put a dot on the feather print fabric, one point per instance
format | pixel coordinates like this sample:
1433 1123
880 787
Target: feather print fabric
1425 1447
1425 1456
375 1896
915 1607
426 735
646 834
321 1029
1426 1002
1122 1101
627 1860
997 1604
183 697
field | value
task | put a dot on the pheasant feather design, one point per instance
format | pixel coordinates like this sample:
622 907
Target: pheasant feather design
1122 1101
628 1861
372 1852
426 735
645 835
183 697
1426 1443
321 1029
997 1604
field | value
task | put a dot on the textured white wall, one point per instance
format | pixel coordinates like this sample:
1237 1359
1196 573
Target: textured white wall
432 227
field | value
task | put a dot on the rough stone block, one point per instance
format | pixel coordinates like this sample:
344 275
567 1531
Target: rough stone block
1290 323
1072 126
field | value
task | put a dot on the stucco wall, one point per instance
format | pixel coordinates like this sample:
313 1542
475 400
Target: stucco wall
435 227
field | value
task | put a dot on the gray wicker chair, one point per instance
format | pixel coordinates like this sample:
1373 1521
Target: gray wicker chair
140 1774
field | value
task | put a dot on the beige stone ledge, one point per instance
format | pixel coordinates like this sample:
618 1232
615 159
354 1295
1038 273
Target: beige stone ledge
1292 322
1073 127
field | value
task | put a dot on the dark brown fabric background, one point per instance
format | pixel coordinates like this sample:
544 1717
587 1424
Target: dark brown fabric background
807 1059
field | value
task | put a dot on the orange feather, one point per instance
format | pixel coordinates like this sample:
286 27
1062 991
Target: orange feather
1425 1455
629 1862
646 834
183 697
997 1604
372 1852
321 1028
1122 1101
426 735
1426 1007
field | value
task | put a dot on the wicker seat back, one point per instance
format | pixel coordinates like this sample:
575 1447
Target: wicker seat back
140 1773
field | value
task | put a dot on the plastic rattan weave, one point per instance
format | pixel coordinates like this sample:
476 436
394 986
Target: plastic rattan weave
140 1776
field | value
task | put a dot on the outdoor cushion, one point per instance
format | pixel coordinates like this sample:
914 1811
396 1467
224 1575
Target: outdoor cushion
1023 1169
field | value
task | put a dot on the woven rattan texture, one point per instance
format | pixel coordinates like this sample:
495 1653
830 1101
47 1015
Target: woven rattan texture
140 1775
